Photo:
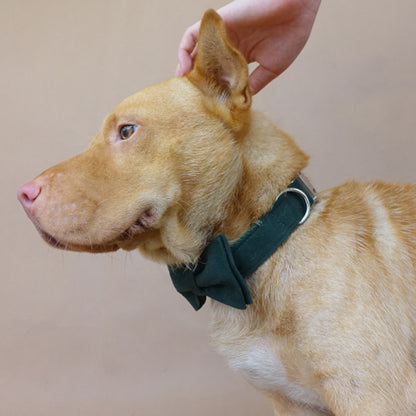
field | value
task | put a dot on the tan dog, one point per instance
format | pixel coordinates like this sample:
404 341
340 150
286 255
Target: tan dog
332 327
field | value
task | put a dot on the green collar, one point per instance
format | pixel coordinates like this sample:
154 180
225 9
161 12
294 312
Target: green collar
221 269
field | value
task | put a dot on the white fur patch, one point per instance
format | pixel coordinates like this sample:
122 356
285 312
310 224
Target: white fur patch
263 368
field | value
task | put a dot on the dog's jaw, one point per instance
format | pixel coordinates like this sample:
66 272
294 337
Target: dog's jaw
92 248
129 239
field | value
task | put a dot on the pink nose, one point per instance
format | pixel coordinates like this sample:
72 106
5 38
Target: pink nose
27 195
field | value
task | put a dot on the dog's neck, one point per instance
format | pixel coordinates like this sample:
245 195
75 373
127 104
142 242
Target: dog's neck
267 162
271 160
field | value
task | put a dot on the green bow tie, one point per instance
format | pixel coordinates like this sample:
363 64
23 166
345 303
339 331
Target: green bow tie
221 269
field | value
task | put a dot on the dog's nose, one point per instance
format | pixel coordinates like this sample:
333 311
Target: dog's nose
27 195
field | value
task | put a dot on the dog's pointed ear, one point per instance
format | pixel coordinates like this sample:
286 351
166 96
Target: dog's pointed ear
220 70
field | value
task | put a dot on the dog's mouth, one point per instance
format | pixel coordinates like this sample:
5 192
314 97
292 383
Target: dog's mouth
137 228
92 248
131 233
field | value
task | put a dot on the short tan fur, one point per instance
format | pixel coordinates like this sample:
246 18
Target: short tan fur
332 330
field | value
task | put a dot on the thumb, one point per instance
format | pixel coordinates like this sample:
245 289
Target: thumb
259 78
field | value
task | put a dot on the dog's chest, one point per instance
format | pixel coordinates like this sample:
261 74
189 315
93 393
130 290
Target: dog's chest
260 363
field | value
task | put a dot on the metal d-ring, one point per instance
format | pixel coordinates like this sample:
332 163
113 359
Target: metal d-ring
305 197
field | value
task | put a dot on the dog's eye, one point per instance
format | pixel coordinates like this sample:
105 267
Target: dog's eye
127 131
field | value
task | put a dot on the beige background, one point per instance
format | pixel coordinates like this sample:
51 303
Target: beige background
107 334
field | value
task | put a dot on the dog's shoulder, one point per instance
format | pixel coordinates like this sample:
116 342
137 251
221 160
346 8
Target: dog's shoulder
356 224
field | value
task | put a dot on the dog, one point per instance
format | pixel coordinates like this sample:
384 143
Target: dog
330 326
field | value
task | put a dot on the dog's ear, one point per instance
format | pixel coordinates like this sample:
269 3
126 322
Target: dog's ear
220 70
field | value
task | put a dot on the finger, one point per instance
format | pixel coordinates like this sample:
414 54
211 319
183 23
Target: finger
190 37
260 77
186 51
185 63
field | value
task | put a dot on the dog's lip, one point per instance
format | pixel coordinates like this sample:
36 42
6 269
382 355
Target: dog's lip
50 239
133 231
92 248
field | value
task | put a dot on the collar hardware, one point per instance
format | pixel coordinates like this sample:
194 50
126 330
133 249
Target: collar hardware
306 199
302 186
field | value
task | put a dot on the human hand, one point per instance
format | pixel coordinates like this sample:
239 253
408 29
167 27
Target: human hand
269 32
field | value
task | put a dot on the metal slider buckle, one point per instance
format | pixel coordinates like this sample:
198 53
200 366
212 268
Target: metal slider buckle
308 186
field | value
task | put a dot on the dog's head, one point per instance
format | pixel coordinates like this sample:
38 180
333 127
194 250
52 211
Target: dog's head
159 156
167 169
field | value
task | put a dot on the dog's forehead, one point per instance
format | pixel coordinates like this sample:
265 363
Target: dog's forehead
165 98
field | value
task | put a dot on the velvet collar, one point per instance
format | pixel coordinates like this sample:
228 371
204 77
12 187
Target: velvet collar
221 270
